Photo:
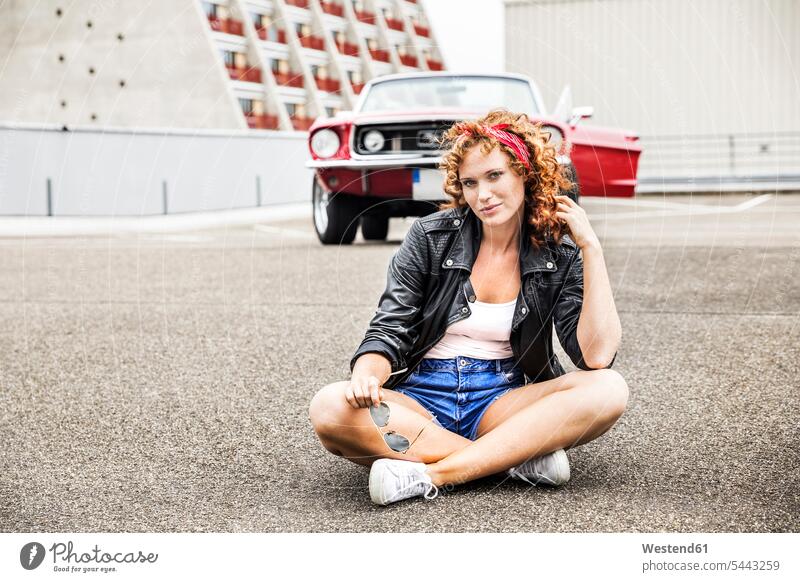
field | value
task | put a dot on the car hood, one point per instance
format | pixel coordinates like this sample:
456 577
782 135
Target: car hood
366 118
419 115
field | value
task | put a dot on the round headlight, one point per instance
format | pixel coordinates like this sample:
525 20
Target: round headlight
374 141
556 137
325 143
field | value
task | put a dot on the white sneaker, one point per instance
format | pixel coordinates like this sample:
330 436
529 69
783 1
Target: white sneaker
551 469
391 480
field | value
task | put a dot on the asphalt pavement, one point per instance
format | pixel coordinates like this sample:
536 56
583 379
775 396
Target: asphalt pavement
159 382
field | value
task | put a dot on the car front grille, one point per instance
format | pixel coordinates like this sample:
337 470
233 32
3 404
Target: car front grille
404 138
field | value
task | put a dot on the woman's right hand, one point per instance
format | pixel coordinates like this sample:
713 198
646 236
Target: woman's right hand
363 391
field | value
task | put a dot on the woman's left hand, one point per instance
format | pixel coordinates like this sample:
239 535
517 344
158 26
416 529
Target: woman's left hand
579 228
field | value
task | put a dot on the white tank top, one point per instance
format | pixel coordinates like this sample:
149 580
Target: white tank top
485 334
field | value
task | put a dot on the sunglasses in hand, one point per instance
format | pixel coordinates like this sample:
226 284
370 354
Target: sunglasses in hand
397 442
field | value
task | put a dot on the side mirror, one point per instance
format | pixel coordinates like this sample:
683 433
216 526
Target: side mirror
578 113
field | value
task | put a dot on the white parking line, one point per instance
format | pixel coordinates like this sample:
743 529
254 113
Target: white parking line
753 202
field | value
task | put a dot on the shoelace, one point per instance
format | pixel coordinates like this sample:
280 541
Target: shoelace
415 482
539 478
532 466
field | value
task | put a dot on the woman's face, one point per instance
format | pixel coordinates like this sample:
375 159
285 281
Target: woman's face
494 191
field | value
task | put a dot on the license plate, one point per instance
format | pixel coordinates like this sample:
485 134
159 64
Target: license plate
427 184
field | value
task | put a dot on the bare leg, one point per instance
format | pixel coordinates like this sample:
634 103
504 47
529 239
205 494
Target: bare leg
349 432
571 410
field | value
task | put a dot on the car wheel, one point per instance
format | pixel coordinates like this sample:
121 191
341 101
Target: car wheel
572 175
374 226
335 216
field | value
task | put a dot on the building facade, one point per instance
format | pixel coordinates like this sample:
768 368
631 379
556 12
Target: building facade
711 86
226 64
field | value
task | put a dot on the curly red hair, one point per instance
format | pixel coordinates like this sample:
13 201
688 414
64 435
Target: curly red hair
543 182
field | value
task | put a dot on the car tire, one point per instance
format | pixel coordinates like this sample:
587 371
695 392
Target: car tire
571 174
335 216
374 226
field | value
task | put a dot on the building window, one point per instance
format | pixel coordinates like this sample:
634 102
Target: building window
210 9
280 66
247 105
355 76
296 110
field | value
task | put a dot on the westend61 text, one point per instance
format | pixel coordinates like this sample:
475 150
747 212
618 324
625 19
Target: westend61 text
64 551
668 549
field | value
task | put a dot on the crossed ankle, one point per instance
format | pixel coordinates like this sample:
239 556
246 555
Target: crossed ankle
445 478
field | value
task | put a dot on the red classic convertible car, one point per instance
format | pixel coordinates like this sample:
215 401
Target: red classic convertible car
381 160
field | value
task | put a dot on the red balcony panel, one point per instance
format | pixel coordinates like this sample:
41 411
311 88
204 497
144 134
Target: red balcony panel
333 8
409 61
435 65
367 17
234 27
289 79
236 74
357 87
422 30
298 3
329 85
252 75
380 55
282 36
312 42
262 121
226 25
302 123
348 48
394 23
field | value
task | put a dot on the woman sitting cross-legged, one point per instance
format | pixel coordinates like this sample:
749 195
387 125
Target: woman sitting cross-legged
456 377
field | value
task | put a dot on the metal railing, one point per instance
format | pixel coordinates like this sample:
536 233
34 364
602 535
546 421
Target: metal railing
771 158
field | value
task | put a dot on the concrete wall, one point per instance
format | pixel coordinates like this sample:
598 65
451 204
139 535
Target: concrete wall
171 73
665 67
122 172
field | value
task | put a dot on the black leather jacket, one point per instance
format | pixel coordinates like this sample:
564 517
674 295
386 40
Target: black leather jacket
428 289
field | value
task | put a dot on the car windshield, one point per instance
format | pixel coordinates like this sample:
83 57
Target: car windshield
471 93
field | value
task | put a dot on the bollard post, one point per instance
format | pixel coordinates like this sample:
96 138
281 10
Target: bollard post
49 197
258 190
164 195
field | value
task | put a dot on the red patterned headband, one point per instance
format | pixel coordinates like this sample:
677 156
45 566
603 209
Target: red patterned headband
512 141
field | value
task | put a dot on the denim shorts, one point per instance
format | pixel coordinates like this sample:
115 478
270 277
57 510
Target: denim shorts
457 391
